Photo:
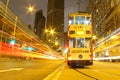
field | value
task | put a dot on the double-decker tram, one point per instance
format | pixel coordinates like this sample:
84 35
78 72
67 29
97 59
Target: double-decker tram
79 39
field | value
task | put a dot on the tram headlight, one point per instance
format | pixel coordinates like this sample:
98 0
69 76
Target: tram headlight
69 57
80 32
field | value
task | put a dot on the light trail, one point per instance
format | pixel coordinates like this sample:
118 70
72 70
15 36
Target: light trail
107 58
12 69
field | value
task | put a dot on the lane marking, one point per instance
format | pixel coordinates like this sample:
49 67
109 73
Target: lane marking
12 69
55 75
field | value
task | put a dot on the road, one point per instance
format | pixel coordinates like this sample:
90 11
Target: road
98 71
17 69
12 69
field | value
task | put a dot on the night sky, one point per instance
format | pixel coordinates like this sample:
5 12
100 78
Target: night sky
19 8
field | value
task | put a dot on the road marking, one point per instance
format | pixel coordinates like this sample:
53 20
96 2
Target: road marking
12 69
55 75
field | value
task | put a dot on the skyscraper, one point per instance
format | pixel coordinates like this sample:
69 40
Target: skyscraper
106 26
55 19
103 20
39 23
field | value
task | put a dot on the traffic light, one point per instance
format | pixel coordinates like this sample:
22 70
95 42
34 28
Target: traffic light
12 41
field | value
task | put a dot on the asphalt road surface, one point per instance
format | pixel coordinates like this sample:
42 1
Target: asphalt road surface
15 69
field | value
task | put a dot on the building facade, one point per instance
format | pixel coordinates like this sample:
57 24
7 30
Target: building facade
55 20
106 25
104 16
39 26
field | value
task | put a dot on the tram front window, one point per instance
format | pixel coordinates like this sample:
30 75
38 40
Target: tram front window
87 21
79 20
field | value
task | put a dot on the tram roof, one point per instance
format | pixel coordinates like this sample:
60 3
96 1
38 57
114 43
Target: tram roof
80 13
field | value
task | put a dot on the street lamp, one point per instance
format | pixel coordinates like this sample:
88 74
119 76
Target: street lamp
46 31
49 34
94 37
52 32
31 8
56 43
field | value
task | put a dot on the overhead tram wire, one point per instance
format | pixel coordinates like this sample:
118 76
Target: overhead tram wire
79 1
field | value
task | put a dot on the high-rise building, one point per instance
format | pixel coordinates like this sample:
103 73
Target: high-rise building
39 26
104 18
106 26
55 20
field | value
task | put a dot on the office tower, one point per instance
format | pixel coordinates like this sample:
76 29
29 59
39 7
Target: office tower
106 26
39 26
55 19
105 19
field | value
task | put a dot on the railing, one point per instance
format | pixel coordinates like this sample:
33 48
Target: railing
10 17
109 47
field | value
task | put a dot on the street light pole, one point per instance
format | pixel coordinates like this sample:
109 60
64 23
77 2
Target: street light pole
15 25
